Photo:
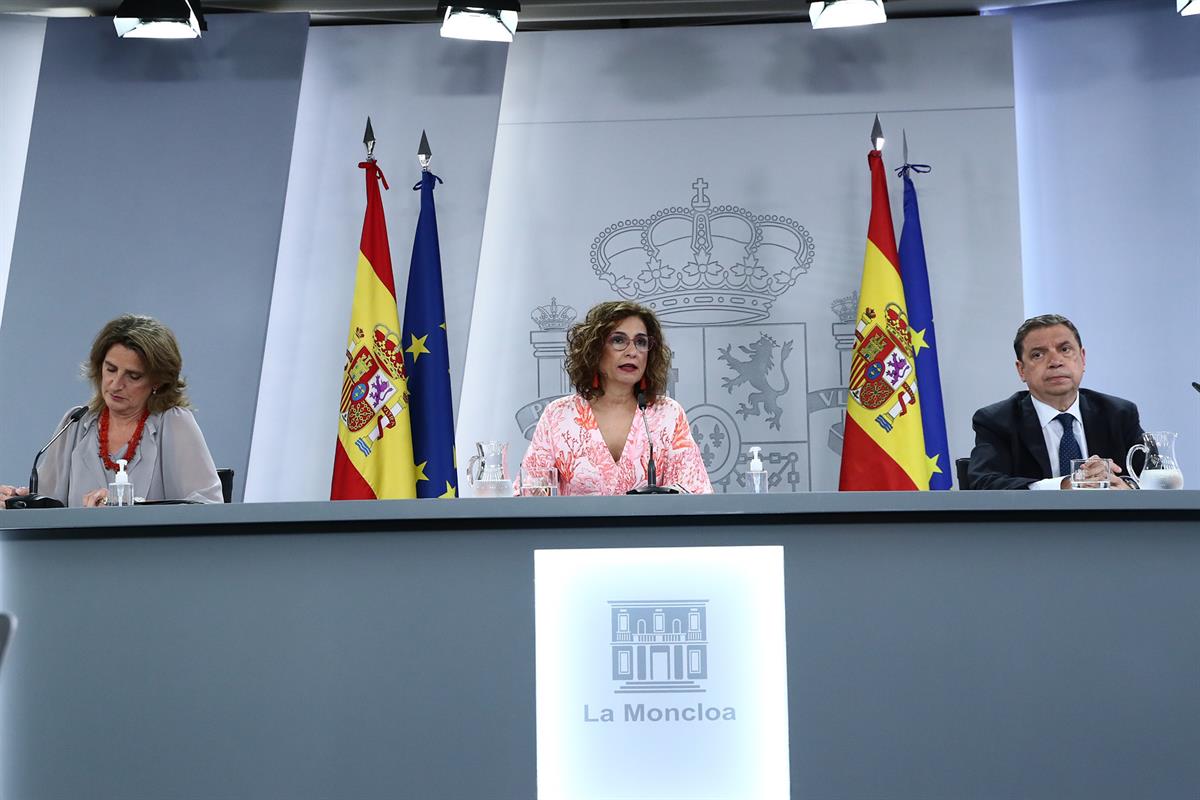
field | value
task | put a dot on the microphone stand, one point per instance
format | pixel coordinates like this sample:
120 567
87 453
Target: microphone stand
651 486
33 499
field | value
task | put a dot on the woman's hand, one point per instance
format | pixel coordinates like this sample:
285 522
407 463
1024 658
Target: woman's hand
7 491
95 498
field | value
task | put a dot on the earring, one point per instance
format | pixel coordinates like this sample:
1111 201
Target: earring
596 381
642 385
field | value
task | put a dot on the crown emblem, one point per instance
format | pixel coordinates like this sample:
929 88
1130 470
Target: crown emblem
554 317
703 265
385 345
896 323
845 307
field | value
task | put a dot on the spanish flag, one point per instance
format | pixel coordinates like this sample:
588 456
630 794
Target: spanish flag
374 455
884 447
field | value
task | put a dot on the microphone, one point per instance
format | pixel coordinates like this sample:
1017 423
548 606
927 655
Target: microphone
33 499
651 486
1196 386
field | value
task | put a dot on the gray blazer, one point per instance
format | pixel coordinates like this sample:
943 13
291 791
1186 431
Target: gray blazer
172 461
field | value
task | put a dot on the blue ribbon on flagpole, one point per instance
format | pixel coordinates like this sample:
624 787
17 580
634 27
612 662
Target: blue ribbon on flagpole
920 169
417 185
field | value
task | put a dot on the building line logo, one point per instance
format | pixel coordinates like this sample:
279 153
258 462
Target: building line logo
659 646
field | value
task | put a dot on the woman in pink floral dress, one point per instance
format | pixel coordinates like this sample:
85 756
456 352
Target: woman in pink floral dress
596 437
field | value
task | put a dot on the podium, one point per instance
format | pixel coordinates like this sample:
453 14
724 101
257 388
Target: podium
1035 644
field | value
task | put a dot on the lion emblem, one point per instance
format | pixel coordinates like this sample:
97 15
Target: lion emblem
754 371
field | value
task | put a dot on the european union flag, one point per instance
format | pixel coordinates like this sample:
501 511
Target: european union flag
915 276
427 357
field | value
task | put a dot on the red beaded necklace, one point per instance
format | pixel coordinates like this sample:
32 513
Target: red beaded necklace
130 449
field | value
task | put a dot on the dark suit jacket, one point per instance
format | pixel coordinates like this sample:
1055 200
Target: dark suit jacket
1010 451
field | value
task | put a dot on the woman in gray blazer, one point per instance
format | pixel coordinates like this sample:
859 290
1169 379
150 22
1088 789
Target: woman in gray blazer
139 412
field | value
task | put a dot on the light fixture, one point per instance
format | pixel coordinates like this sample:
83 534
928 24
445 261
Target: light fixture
61 12
159 19
491 21
1188 7
846 13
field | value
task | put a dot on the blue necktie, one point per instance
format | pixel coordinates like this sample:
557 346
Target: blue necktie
1068 448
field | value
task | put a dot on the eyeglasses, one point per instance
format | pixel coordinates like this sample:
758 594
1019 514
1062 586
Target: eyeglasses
619 341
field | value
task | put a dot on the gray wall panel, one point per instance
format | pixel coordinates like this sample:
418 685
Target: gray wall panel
20 57
155 184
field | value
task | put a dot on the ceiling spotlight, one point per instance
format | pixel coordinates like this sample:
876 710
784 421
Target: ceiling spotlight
159 19
846 13
61 12
1188 7
494 21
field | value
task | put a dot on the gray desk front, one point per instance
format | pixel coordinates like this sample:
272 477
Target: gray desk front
964 645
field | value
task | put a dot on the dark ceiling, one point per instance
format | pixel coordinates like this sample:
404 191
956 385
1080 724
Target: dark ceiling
548 14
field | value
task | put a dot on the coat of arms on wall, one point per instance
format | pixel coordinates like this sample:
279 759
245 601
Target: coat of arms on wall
714 276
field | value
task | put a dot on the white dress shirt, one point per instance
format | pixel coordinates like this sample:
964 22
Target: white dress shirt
1052 432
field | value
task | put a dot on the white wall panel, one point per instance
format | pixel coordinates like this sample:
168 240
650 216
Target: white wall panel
1110 192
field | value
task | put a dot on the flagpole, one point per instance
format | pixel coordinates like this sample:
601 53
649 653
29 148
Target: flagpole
883 447
369 141
373 455
427 346
914 273
424 154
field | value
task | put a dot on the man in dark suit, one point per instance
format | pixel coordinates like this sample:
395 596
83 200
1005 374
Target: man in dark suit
1028 440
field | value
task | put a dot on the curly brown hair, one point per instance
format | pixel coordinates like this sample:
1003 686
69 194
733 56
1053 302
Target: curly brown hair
586 342
155 345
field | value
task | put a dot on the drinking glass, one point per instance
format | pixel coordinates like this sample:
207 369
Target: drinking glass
1090 473
541 482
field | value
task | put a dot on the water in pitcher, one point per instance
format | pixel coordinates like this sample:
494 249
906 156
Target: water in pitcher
487 470
1161 479
1161 470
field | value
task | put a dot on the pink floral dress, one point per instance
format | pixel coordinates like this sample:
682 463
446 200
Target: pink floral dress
567 437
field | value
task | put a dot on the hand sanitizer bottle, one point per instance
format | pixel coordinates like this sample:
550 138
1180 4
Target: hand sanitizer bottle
756 477
120 491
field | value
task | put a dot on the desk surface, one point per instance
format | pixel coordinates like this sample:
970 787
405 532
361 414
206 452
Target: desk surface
525 512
